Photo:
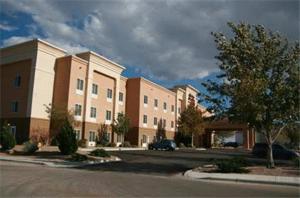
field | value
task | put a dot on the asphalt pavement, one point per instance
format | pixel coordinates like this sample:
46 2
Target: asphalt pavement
24 180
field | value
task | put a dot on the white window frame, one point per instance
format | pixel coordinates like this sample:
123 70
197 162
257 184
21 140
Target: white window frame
172 109
121 102
93 113
79 89
145 101
165 107
155 104
109 95
106 115
145 123
155 124
77 132
94 136
78 117
95 95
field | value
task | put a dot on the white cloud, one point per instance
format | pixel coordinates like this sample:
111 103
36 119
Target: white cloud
15 39
6 27
163 39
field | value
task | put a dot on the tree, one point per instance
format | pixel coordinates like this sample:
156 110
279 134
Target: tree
120 126
161 130
57 116
292 133
7 140
66 139
191 122
259 81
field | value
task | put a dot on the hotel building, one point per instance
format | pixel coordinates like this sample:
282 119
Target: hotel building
36 73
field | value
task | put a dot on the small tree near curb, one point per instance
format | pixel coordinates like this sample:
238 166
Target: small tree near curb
7 140
66 139
120 126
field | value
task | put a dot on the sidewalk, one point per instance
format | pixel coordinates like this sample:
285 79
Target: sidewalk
55 163
280 180
112 149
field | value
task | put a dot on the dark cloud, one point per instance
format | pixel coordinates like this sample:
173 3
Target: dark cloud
165 39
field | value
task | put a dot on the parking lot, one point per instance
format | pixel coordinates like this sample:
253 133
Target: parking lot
169 162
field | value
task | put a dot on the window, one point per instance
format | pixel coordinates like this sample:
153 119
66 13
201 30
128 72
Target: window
119 138
155 121
164 123
121 96
144 140
145 99
14 106
77 110
165 106
145 119
172 124
172 108
17 81
109 93
108 115
155 103
92 136
77 133
13 130
179 110
93 112
80 84
95 89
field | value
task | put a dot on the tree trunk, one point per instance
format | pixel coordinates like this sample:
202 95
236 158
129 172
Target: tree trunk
192 143
271 163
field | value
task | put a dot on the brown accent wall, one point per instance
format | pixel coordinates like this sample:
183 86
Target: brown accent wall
10 93
132 101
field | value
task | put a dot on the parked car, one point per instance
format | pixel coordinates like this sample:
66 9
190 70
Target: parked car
279 151
169 145
231 144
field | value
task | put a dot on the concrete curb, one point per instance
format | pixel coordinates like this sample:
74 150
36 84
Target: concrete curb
267 179
112 149
58 164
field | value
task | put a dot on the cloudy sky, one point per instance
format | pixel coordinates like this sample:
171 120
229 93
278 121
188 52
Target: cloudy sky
166 41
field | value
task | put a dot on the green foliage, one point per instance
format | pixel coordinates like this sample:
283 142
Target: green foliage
76 157
234 165
58 115
292 133
259 80
121 125
30 147
191 122
7 140
66 139
99 153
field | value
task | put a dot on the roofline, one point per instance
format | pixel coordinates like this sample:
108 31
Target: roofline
186 85
102 57
37 40
149 81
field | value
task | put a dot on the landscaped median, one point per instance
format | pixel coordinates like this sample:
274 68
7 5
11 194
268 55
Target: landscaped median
294 181
97 156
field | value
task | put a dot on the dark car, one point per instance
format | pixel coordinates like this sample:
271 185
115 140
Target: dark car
231 144
279 151
169 145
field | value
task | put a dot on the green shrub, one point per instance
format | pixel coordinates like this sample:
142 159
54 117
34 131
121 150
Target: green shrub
231 166
82 143
125 144
99 153
76 157
30 147
181 145
7 140
112 144
66 139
